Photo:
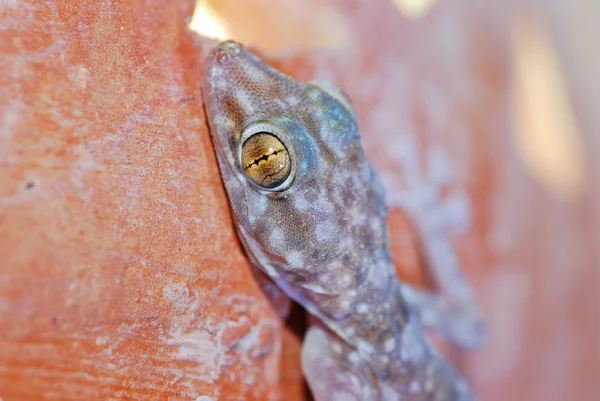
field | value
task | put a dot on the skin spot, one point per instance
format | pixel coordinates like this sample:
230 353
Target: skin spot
345 304
260 205
293 100
223 122
357 217
254 71
324 231
343 396
428 316
345 280
362 308
295 260
365 348
355 383
346 245
245 102
390 344
300 203
337 348
429 384
412 347
389 394
354 358
325 207
277 237
375 225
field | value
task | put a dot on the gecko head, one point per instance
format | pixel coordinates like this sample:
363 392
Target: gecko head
304 196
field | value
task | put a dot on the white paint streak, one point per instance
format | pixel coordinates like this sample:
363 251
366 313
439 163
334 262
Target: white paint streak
8 4
11 115
201 348
80 76
101 340
177 295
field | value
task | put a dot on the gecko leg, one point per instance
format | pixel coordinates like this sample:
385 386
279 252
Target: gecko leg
334 370
454 311
458 321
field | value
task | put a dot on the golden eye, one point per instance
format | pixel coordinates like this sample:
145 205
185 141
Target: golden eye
266 160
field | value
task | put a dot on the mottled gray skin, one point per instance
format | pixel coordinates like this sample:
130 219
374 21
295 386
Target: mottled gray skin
323 239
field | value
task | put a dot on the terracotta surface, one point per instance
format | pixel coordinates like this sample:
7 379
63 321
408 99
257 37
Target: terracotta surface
120 273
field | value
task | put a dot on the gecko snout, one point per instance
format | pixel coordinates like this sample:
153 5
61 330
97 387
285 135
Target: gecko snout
225 51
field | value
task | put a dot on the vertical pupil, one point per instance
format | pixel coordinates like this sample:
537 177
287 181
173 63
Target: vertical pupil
266 160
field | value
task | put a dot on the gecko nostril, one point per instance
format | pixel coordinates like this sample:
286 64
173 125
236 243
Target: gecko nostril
226 50
266 160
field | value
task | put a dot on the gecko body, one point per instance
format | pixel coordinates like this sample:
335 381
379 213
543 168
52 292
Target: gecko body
310 212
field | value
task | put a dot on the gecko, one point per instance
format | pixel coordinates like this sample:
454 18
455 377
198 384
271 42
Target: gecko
310 212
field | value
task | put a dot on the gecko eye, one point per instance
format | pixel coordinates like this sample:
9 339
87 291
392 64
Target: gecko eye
266 160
